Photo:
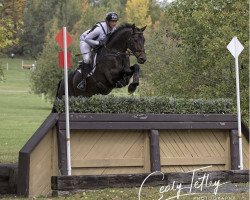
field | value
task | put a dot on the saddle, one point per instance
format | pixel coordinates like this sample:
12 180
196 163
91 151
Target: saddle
90 68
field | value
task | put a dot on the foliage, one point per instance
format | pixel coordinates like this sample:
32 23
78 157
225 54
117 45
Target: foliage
164 72
39 15
10 22
1 72
204 28
47 74
137 12
157 105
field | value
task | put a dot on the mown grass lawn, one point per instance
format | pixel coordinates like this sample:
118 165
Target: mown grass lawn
21 112
148 193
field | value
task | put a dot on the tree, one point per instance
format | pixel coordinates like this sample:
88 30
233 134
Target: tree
137 11
205 28
37 15
10 22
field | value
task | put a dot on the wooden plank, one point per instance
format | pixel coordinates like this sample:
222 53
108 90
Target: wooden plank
124 170
165 150
70 183
24 154
147 126
178 141
108 162
136 149
41 167
218 144
8 178
171 137
146 153
84 142
246 148
188 168
108 170
193 161
245 131
106 117
234 149
155 151
227 152
190 140
201 148
204 138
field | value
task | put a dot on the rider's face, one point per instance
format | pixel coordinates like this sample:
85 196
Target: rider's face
112 24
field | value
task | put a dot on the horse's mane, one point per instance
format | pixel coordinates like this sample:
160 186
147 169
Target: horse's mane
118 29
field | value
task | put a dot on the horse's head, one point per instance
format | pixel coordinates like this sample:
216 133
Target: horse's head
136 44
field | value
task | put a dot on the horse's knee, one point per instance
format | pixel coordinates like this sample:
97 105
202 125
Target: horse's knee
136 68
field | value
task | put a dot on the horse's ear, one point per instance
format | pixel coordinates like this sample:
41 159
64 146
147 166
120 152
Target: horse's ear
143 29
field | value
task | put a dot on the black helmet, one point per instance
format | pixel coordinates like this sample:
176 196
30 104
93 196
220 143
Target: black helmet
111 16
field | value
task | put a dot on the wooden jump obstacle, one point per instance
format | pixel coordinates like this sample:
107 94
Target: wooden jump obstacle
28 66
128 145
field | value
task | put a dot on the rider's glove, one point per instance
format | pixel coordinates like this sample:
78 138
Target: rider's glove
101 43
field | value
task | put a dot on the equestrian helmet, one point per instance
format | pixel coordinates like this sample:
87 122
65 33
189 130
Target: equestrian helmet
111 16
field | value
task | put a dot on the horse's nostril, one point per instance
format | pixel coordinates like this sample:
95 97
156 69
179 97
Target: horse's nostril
141 60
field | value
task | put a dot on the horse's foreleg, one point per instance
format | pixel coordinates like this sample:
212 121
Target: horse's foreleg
132 87
123 82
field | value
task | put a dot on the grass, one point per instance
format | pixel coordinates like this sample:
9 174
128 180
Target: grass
148 193
21 112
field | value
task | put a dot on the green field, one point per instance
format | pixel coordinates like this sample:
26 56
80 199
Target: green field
21 112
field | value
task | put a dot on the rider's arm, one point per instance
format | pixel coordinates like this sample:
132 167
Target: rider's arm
82 37
93 34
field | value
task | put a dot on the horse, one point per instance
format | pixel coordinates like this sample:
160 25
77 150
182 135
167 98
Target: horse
112 68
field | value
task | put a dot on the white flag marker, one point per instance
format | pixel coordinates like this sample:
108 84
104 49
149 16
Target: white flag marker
235 48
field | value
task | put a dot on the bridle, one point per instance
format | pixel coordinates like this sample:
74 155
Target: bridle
134 51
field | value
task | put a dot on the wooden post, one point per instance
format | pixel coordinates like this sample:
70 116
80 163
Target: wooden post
155 151
62 152
234 150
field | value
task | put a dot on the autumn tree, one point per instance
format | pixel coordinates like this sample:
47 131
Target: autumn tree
137 11
11 21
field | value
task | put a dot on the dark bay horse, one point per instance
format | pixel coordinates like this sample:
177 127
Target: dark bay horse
112 67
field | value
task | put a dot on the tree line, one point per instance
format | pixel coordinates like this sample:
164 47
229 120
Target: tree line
185 42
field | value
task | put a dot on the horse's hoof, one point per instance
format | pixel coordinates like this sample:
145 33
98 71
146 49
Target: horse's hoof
132 87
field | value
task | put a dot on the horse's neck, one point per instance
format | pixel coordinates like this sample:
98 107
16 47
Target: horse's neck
119 41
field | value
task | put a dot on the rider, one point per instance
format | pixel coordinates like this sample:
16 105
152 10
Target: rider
92 38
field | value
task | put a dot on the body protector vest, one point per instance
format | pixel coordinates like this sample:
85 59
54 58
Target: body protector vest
98 33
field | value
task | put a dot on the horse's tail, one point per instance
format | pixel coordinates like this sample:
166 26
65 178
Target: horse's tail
57 96
57 90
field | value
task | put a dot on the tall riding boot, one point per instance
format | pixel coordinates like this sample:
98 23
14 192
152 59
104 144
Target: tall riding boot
85 69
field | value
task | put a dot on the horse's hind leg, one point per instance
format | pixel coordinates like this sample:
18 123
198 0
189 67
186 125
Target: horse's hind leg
59 94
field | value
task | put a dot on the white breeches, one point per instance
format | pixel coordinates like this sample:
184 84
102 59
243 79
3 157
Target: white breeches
86 51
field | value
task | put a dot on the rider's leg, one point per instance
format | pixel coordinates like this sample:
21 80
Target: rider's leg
85 65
